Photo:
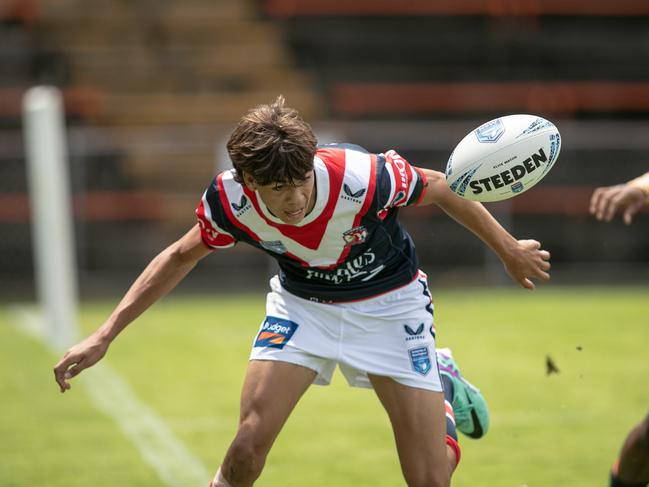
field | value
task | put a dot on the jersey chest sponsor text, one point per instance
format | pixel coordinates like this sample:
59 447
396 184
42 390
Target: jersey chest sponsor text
362 268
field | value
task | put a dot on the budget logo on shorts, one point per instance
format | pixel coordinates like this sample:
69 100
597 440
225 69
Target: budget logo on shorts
275 332
420 360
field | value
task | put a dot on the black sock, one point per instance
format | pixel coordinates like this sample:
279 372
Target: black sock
617 482
447 384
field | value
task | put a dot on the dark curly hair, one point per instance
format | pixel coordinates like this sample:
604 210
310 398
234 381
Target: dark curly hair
273 144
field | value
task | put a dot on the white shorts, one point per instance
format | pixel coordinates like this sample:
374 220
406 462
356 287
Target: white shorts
390 335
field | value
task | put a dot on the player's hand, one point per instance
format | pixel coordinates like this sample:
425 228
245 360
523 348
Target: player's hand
527 261
607 201
81 356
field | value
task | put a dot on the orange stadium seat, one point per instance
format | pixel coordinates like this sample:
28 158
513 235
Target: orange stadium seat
96 206
295 8
25 11
552 97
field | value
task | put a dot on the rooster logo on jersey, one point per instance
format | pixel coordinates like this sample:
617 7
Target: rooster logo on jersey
355 236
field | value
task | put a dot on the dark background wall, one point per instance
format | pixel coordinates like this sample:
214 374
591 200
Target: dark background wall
152 89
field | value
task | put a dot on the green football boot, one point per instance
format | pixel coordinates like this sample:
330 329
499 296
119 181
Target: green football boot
469 406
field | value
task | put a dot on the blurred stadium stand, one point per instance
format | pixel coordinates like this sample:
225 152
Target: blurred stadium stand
152 89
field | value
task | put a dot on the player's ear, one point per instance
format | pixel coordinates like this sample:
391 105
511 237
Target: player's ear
249 181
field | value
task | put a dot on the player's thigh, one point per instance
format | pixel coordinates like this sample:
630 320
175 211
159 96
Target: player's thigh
271 389
418 420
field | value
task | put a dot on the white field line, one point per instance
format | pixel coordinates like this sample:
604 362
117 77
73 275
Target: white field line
174 463
160 448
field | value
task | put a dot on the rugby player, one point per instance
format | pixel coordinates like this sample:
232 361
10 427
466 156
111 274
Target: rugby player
349 291
631 469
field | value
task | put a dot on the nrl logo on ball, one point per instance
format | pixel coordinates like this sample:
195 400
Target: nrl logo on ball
491 131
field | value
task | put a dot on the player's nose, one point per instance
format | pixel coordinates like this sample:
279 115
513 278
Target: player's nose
294 197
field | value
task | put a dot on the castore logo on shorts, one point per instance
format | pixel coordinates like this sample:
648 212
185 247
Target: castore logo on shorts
417 334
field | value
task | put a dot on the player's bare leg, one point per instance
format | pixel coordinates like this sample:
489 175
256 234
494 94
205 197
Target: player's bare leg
633 466
418 422
271 390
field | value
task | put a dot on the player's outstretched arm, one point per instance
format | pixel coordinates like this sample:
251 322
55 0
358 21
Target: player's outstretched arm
630 197
162 274
523 259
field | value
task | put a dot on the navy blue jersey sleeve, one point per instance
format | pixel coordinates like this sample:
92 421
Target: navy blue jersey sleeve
214 236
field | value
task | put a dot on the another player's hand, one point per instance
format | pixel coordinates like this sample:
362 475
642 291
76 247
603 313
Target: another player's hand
527 261
81 356
607 201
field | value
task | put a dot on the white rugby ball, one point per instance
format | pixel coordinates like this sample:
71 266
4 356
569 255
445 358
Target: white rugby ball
503 158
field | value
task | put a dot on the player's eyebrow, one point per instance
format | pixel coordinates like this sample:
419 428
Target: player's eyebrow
292 182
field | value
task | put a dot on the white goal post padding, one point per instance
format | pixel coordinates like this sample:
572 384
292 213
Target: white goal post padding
51 208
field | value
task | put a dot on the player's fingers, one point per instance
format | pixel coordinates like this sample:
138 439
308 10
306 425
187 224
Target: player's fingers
603 202
602 207
616 203
59 377
527 284
594 200
61 371
533 244
632 210
545 255
75 370
540 269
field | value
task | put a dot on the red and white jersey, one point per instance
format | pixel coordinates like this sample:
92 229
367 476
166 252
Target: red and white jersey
350 246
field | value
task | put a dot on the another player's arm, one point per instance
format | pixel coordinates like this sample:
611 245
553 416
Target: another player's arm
162 274
630 197
523 259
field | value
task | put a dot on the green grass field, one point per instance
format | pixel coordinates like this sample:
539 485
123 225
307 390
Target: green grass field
185 358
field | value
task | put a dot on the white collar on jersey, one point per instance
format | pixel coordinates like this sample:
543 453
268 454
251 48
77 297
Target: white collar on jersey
322 195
